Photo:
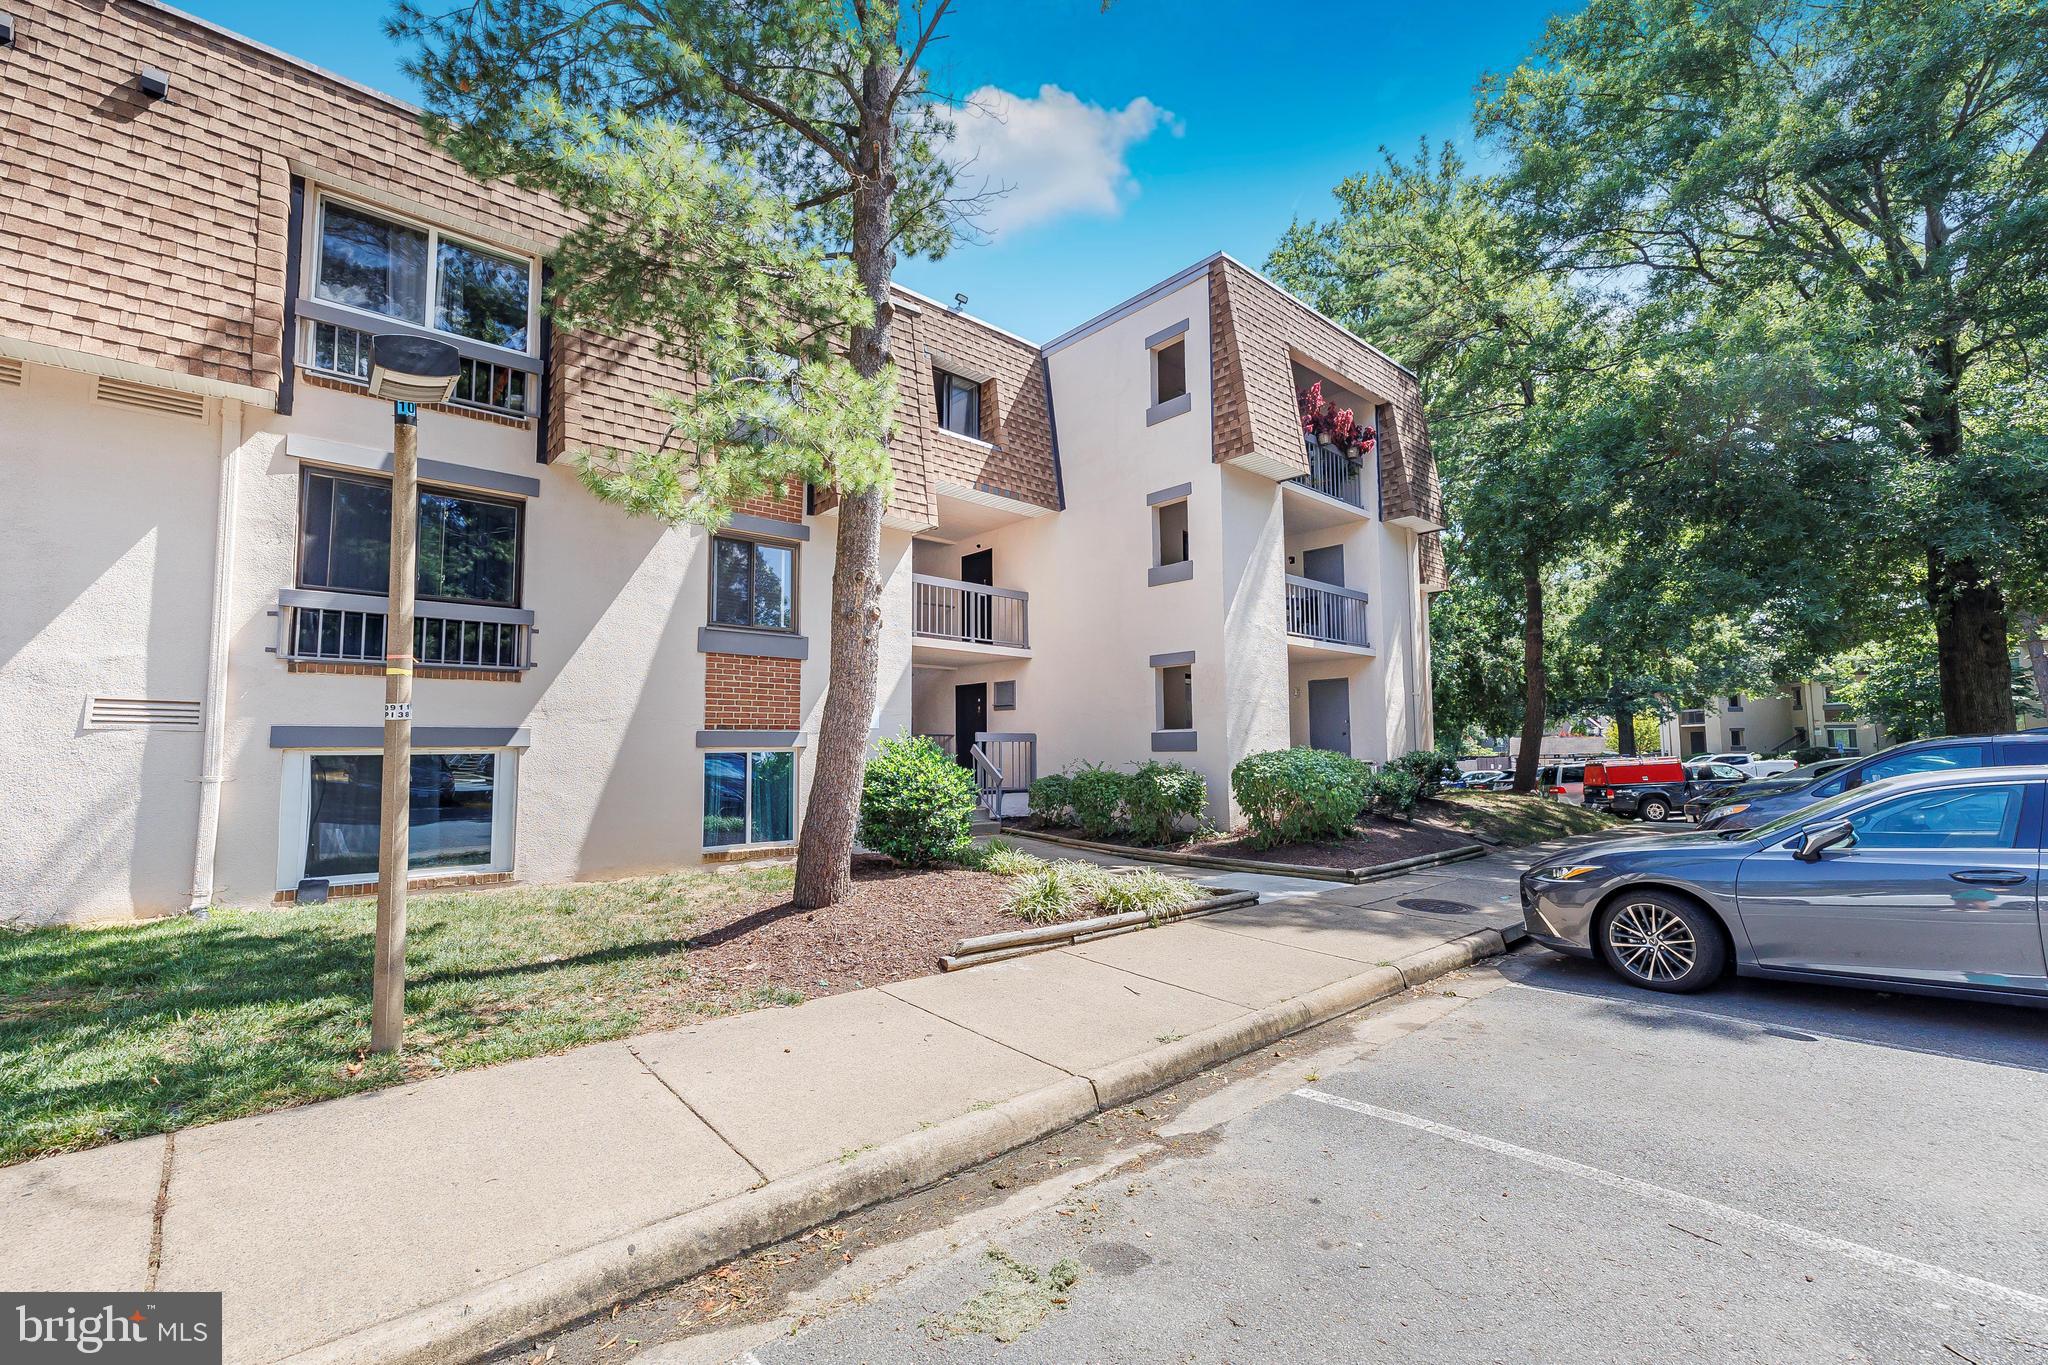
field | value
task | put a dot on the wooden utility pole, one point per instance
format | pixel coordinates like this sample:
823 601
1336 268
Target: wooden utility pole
394 828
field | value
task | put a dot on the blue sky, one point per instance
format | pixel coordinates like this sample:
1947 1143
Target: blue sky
1175 128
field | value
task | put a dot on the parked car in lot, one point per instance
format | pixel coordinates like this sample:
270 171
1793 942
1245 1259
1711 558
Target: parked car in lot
1706 808
1925 882
1925 755
1652 789
1751 764
1566 781
1486 779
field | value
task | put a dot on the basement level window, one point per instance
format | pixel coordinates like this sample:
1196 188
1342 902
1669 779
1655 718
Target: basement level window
749 798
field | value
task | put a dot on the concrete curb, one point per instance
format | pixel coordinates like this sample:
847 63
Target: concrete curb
543 1297
1349 875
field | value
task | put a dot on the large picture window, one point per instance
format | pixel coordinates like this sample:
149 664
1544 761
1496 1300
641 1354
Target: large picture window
752 584
749 798
453 799
417 275
468 546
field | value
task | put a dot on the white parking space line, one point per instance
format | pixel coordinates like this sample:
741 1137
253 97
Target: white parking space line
1805 1237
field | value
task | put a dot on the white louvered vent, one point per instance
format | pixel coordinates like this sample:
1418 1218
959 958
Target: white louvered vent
10 372
132 713
130 395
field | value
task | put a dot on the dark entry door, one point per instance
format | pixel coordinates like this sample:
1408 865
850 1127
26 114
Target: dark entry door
1329 714
979 567
970 718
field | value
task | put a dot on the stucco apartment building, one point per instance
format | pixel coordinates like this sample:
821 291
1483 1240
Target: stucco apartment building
1109 546
1802 715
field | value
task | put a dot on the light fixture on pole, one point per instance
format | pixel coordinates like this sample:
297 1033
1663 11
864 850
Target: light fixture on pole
407 370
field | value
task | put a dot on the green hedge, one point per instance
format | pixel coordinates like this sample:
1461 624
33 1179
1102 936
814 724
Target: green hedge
1159 796
1150 804
1052 799
1291 795
1097 797
916 804
1431 768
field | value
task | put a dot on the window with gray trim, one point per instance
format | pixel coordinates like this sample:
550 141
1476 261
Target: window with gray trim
1177 697
753 584
1169 371
469 546
1170 533
368 262
749 797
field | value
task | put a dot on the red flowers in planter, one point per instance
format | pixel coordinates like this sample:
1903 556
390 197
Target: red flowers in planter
1333 425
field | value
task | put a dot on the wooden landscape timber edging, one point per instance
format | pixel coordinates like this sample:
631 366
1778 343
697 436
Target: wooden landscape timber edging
1327 874
972 952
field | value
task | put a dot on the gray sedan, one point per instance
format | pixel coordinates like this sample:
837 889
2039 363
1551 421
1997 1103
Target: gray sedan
1928 883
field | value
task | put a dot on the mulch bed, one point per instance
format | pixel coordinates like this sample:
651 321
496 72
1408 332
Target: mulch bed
894 925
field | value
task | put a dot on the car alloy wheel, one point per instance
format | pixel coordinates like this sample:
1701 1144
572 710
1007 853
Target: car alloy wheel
1662 942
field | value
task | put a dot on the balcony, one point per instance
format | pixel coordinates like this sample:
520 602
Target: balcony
953 621
1692 717
320 627
1324 619
1330 494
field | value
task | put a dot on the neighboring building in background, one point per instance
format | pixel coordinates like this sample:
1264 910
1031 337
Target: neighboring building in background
1112 546
1801 716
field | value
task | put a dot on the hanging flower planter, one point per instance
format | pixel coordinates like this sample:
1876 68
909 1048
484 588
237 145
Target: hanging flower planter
1335 428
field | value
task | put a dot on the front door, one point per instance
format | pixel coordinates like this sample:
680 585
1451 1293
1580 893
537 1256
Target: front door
1939 886
979 567
970 719
1329 714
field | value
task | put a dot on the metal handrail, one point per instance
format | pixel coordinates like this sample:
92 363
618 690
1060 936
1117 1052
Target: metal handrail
991 792
319 626
972 613
1330 474
1326 612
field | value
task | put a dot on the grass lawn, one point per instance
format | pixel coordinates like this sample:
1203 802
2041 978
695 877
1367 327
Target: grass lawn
1523 819
116 1032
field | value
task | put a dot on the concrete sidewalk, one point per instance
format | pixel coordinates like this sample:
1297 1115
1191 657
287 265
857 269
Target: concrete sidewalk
431 1221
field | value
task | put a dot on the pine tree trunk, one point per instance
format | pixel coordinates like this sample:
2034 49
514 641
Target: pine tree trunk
1624 725
1530 758
824 860
1970 636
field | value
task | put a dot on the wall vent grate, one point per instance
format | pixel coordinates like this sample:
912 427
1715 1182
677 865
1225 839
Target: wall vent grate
169 401
140 713
10 372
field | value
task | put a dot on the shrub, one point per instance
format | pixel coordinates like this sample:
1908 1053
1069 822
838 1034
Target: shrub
916 803
1052 799
1431 769
1289 795
1158 796
1147 889
1042 897
1811 754
1097 796
1395 789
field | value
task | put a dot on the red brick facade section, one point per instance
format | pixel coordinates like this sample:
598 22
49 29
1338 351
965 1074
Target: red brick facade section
153 231
746 693
1258 331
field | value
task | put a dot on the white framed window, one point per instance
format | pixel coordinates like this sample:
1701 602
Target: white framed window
377 264
749 797
463 804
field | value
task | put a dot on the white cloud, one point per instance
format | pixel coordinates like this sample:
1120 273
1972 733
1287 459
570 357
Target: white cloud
1055 154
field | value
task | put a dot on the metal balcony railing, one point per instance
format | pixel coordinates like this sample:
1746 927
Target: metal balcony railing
971 613
1323 611
346 627
1330 474
1692 717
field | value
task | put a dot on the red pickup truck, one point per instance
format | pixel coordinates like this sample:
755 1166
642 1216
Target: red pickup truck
1651 788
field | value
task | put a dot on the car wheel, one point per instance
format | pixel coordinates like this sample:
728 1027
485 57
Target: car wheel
1656 808
1661 942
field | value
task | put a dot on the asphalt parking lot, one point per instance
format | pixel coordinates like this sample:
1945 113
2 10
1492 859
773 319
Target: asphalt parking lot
1550 1166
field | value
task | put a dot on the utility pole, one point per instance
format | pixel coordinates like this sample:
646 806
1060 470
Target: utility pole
408 370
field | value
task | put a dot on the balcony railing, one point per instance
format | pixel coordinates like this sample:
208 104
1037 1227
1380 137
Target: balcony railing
1330 474
1323 611
346 627
345 353
1693 717
970 613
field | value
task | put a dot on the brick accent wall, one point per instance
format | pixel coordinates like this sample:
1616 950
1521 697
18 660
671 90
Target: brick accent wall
1258 330
745 693
787 505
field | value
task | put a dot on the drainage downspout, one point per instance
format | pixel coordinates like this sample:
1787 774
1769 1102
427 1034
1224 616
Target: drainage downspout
214 707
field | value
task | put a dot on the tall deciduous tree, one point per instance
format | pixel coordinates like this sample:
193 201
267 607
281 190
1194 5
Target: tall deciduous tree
1872 177
1422 258
745 175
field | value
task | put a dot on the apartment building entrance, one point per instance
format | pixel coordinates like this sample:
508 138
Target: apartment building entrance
979 568
970 718
1329 715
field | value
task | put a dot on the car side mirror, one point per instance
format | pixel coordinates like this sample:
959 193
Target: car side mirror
1821 838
